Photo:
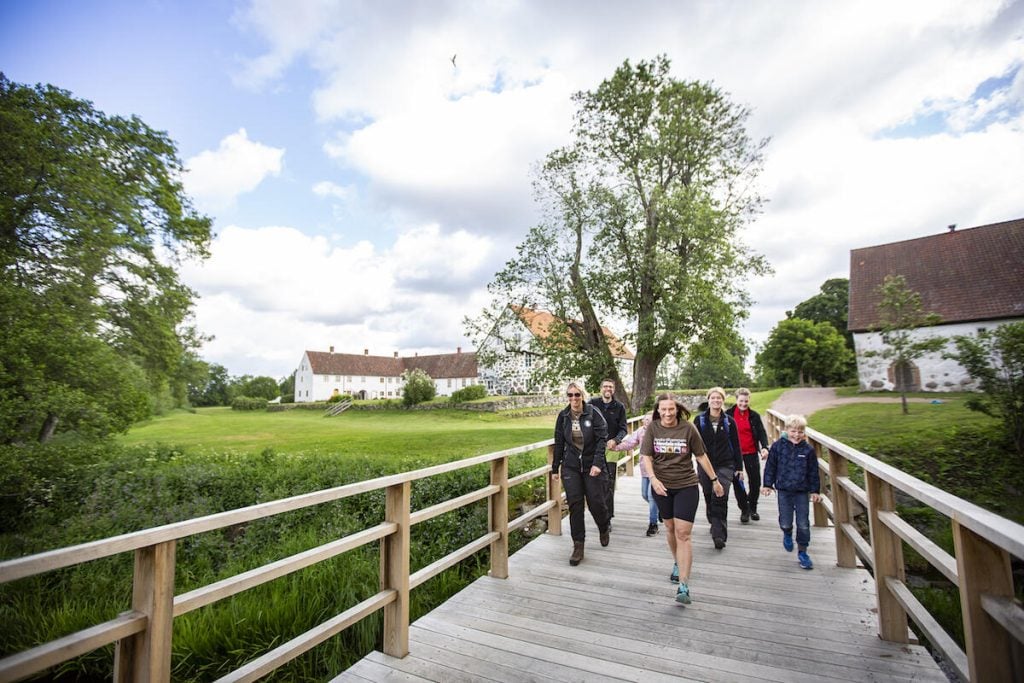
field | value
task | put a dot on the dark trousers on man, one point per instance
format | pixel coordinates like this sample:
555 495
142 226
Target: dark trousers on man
579 486
717 508
611 470
748 494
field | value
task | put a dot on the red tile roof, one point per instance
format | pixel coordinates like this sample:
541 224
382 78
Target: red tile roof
441 366
539 323
963 275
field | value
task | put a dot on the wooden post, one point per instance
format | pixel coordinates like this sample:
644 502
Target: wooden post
983 568
555 494
630 428
838 466
820 513
499 518
146 656
396 570
888 560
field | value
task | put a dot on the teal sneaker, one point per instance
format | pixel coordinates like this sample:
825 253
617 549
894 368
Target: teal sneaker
804 559
674 576
683 594
787 542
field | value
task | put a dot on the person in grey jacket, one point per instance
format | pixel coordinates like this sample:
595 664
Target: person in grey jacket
581 436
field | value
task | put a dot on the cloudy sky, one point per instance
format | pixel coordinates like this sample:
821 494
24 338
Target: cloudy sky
364 188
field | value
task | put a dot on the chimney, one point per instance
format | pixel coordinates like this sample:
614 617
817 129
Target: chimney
952 227
416 355
396 354
458 349
332 350
366 352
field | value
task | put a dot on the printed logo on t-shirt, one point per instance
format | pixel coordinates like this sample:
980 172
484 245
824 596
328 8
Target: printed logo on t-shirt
676 446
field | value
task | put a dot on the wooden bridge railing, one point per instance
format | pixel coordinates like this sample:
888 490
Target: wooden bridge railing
142 635
984 542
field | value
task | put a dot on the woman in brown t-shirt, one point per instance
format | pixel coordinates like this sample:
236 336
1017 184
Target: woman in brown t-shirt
668 449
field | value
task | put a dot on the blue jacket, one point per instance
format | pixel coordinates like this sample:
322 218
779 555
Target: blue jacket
595 437
792 467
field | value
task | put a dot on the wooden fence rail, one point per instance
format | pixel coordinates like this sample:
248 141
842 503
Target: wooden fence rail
142 636
984 542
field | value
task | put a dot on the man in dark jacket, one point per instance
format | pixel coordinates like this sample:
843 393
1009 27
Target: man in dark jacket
580 439
718 432
614 414
753 441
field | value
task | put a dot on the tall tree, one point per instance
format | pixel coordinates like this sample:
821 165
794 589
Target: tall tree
654 190
713 362
901 315
800 351
830 305
93 220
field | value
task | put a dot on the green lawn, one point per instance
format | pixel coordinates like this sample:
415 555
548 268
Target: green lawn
438 434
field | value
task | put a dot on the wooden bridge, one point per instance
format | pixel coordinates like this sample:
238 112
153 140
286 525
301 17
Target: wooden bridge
756 615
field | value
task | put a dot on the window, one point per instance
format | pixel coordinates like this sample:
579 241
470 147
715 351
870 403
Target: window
389 381
527 360
382 380
463 381
389 394
326 378
449 384
349 379
337 378
363 380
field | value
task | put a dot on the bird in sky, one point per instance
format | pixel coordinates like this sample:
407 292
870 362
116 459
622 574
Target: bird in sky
453 60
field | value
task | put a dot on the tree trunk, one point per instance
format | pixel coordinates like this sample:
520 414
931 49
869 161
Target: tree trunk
903 401
644 369
48 428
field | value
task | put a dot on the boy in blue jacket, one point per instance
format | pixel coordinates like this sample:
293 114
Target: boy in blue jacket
792 470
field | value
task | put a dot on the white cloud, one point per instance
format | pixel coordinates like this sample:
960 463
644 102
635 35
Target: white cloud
215 178
326 188
273 292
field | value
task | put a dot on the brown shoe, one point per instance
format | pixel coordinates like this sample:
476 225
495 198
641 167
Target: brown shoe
577 553
606 536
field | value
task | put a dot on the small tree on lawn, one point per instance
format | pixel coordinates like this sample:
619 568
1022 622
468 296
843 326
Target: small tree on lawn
419 387
901 313
996 359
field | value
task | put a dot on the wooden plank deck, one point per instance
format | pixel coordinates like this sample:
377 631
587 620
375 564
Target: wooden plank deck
756 615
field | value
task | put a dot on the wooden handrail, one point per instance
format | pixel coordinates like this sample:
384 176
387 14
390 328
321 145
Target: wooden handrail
993 620
143 635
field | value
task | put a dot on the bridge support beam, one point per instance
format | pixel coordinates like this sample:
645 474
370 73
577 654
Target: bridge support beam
888 560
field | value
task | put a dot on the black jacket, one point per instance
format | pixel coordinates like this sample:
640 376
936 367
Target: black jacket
723 446
756 426
595 436
614 414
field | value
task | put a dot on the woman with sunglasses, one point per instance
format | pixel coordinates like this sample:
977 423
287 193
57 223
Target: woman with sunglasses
667 451
580 438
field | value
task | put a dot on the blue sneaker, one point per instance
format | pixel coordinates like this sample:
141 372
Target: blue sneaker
674 576
804 559
683 594
787 542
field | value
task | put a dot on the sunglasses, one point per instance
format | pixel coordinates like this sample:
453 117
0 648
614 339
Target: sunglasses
574 395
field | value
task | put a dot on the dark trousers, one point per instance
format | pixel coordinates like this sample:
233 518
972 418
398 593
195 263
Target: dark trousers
717 508
611 470
748 494
579 486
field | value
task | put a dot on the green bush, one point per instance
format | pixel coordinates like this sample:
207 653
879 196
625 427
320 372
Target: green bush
337 398
248 403
470 393
419 387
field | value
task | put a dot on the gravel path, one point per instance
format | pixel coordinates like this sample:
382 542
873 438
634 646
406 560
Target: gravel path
807 400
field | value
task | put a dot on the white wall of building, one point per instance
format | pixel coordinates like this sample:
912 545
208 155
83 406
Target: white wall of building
937 373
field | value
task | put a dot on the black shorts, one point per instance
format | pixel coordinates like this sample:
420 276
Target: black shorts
678 503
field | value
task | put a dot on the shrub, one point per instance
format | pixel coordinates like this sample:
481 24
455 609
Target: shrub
336 398
248 403
419 387
469 393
